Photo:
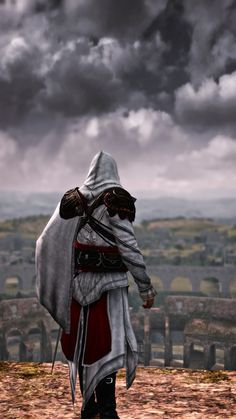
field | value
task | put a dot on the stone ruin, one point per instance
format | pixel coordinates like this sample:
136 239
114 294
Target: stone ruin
23 273
27 331
200 327
203 328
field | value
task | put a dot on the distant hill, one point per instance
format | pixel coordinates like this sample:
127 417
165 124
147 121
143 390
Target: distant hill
31 227
23 204
28 227
222 209
185 226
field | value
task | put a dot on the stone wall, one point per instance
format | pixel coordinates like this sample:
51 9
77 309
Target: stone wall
209 323
167 273
224 274
22 318
25 272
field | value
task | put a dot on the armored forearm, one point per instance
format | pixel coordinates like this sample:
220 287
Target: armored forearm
131 255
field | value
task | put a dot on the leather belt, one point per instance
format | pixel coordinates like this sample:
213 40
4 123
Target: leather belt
90 258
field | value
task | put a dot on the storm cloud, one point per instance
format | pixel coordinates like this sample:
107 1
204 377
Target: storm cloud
151 82
212 104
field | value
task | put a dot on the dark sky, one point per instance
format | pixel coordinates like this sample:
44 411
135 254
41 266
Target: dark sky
153 82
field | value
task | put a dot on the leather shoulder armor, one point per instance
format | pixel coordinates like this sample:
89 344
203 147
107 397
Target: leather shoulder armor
119 201
72 204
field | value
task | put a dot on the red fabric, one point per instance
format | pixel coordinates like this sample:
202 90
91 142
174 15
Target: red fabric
104 249
68 340
98 342
100 270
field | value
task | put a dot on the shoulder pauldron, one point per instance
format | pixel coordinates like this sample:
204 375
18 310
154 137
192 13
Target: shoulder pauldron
72 204
119 201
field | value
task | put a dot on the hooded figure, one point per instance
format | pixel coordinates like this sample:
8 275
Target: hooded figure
82 258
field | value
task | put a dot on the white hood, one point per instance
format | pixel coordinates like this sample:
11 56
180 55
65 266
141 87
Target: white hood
103 174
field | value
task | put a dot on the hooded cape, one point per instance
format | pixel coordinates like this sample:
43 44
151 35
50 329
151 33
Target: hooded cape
54 247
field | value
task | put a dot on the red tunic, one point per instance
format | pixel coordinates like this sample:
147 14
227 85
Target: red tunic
98 338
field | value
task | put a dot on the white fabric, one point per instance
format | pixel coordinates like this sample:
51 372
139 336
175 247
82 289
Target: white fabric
124 352
89 286
54 259
103 174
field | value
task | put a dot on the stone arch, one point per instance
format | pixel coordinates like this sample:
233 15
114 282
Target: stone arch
13 332
232 288
210 286
181 284
13 344
12 284
157 282
34 338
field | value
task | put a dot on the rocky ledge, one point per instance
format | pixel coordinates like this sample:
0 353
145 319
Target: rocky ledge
29 391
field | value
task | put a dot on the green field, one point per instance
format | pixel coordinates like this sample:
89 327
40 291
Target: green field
29 227
187 226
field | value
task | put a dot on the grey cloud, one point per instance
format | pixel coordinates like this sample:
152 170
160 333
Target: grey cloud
74 76
79 82
214 31
211 105
19 81
123 19
175 31
77 77
141 138
80 76
205 172
141 70
153 155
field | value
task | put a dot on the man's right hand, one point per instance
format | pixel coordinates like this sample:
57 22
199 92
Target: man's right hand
148 303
